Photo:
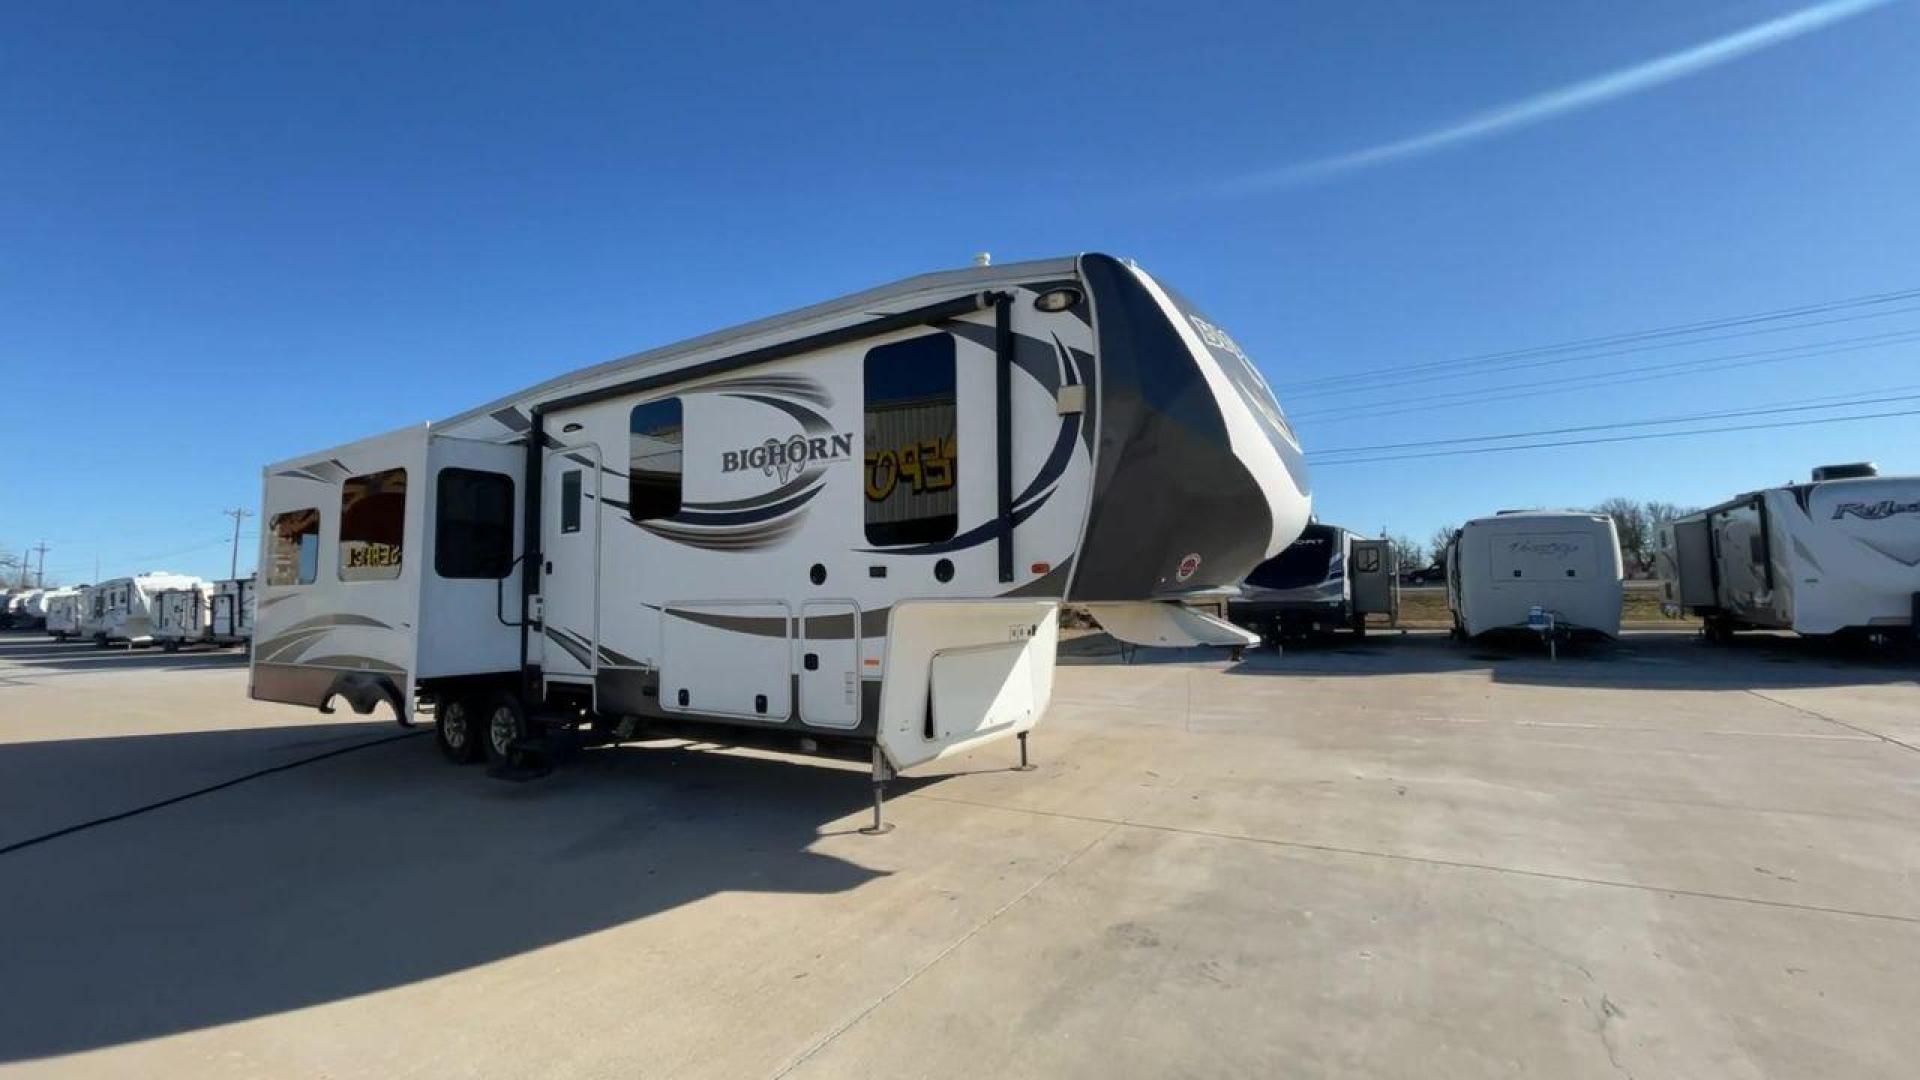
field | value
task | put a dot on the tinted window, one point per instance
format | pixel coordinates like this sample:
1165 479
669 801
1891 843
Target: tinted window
570 501
373 518
912 447
1307 561
654 460
473 531
293 552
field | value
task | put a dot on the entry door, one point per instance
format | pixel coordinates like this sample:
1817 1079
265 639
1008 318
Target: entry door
570 554
1374 570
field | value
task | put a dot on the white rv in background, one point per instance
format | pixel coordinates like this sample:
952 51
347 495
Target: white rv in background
1837 555
63 613
855 523
123 607
89 613
230 614
1567 563
181 616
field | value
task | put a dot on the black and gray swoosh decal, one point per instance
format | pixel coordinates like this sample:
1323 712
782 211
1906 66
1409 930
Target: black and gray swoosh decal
873 623
576 649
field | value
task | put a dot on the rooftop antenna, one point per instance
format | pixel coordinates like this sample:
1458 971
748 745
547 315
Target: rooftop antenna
984 258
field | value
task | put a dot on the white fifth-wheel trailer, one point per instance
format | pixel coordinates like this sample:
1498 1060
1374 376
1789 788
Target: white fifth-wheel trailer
855 523
1835 556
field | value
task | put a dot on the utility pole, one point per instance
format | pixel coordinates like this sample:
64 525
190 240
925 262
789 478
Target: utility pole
40 575
238 512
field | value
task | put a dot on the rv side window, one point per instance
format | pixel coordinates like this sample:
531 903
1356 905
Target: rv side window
473 533
912 442
294 557
373 516
654 460
570 501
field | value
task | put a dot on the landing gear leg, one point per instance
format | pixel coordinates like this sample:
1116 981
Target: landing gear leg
881 774
1025 765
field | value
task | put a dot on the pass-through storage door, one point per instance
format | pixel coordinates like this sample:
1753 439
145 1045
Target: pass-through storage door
830 664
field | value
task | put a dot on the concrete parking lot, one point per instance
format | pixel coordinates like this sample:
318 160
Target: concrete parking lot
1392 857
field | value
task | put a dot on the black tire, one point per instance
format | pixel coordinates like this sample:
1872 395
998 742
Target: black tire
99 641
459 729
170 646
502 723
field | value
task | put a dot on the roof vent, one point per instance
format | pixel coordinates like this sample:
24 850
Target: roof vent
1853 471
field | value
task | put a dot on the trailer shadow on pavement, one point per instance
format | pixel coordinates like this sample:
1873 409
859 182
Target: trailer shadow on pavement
373 869
1669 660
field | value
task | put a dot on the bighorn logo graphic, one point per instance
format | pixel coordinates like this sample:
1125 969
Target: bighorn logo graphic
787 457
1874 511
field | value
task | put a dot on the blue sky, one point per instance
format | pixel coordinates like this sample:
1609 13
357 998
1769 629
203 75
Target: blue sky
233 234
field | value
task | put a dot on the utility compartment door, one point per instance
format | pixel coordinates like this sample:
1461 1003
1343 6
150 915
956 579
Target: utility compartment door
727 658
1376 575
830 664
570 563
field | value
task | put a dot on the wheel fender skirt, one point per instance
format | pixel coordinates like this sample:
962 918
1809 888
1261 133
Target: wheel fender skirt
363 691
1166 624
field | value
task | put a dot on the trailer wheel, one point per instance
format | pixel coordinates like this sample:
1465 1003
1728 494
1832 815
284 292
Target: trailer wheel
99 641
457 728
505 723
170 646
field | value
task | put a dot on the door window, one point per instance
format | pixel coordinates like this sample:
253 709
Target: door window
570 501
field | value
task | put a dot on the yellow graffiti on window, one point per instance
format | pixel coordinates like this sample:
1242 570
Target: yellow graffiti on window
927 465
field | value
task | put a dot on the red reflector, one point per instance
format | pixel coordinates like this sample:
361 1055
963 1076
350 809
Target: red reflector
1042 567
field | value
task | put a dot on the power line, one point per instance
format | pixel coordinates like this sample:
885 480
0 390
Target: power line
1695 418
1619 438
1617 339
1374 382
1618 377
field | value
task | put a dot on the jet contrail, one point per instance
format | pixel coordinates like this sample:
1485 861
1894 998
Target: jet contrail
1567 99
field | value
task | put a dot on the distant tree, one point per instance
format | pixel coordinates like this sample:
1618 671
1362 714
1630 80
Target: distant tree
1442 536
1635 528
1659 513
1407 552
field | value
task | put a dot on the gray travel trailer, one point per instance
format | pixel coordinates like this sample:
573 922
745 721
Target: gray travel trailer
1518 568
1837 555
1329 579
854 524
